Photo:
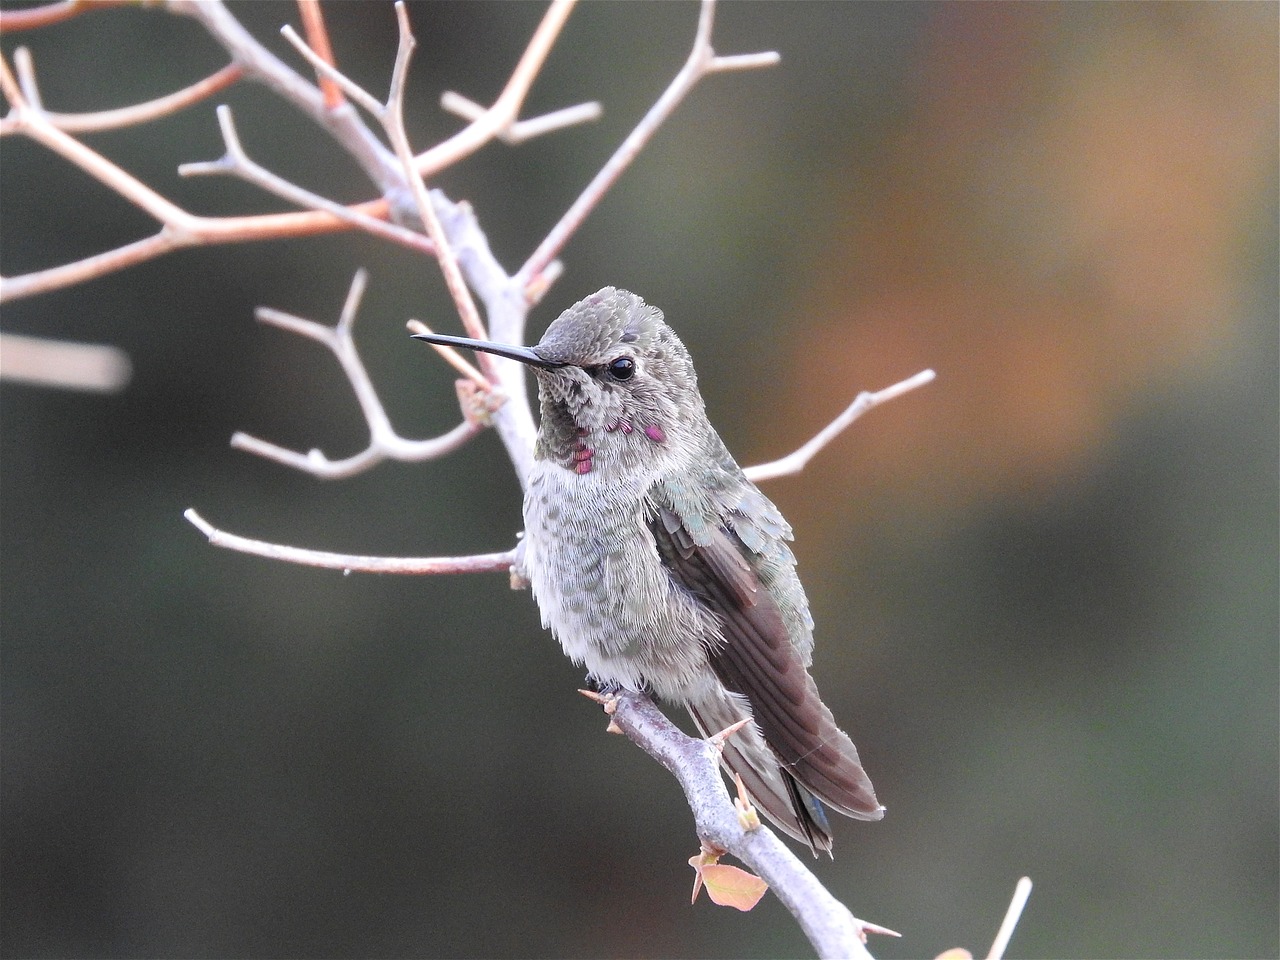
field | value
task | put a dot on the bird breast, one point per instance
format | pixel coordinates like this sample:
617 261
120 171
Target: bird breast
603 589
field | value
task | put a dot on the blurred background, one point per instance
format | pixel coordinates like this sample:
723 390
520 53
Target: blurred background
1045 585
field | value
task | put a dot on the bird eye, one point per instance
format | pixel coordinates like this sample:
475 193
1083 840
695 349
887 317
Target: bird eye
622 368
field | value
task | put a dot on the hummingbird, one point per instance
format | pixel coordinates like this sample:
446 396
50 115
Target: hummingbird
657 563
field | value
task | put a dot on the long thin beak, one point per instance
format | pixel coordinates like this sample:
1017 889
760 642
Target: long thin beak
523 354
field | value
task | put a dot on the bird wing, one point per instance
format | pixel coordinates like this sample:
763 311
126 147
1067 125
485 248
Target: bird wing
758 660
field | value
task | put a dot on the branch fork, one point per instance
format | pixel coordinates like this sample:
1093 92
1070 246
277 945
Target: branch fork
384 442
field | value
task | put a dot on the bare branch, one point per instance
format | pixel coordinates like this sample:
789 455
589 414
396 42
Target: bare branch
795 462
23 118
331 73
197 231
830 927
384 442
58 363
131 115
1001 943
393 123
522 130
98 265
391 116
51 13
318 40
507 308
353 563
180 228
506 109
702 60
260 64
236 162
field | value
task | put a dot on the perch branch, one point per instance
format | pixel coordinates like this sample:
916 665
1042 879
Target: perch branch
830 927
796 461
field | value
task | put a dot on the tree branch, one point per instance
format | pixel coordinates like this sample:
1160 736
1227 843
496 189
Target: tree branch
58 363
1021 891
830 927
702 61
129 116
347 563
236 162
260 64
179 228
318 40
796 461
522 130
500 117
384 442
48 14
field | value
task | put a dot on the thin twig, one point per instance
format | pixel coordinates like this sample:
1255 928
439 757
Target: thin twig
318 40
58 363
132 115
182 229
384 442
391 116
506 309
236 162
179 228
354 563
197 231
327 70
29 120
795 461
702 61
506 109
51 13
342 123
1001 943
523 130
